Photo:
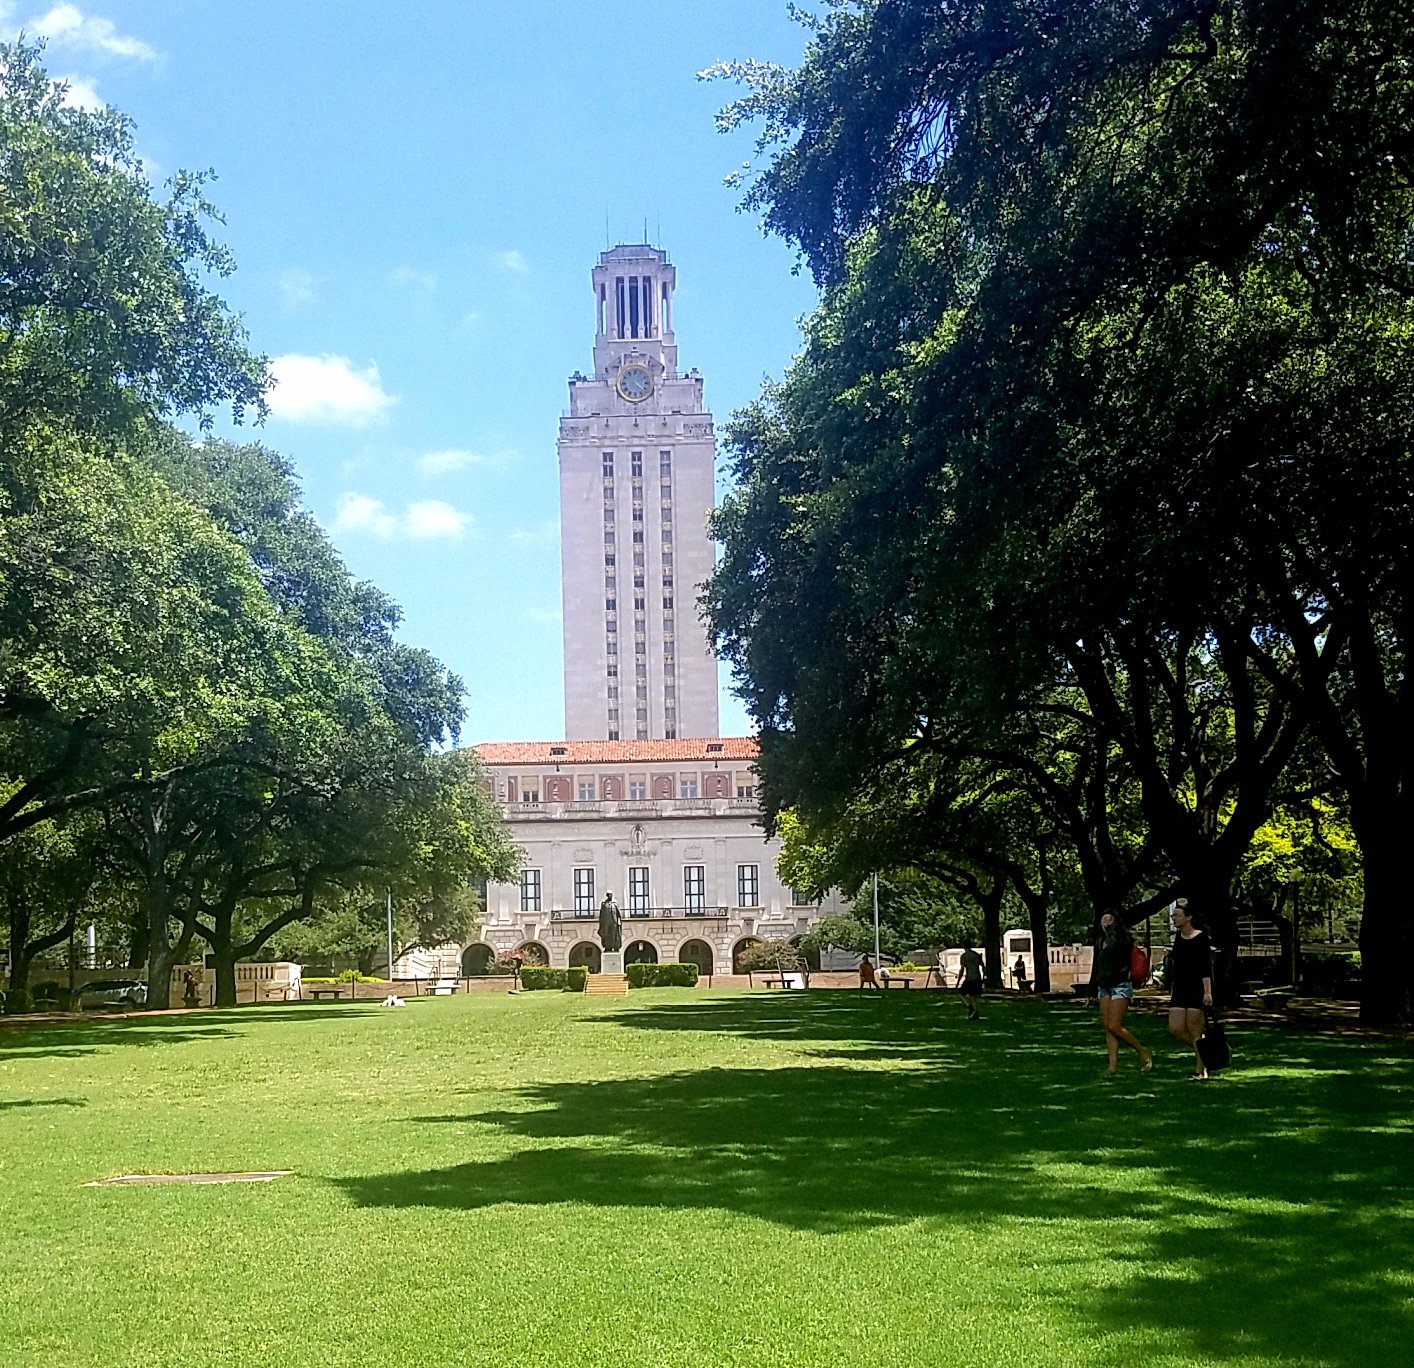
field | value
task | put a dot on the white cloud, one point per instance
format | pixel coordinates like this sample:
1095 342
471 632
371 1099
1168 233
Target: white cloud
448 462
415 279
67 26
296 287
433 518
428 520
512 261
327 389
546 534
359 513
80 94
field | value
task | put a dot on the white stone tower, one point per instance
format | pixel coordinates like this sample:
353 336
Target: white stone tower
637 469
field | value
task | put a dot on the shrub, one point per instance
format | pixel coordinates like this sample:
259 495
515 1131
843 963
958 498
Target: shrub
535 978
18 1000
661 975
47 992
1333 975
348 976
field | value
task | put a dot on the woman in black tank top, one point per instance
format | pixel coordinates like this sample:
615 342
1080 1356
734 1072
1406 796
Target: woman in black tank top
1190 983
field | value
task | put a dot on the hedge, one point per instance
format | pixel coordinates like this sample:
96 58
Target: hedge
535 978
661 975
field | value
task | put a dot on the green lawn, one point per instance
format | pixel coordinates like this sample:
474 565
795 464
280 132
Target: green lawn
698 1179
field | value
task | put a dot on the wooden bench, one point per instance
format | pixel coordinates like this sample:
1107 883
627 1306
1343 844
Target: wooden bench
323 992
889 980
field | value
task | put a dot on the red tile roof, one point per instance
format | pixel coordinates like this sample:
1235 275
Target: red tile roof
616 752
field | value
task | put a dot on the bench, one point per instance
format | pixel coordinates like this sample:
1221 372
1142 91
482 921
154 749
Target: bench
445 987
322 992
889 980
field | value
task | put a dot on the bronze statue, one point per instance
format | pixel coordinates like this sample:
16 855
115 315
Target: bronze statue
611 927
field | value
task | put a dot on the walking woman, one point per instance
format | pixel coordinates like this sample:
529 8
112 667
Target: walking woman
1190 983
1115 989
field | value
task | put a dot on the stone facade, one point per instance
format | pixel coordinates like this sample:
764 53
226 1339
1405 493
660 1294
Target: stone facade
637 462
671 828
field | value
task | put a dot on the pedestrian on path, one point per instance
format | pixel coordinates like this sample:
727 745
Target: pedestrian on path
1114 986
969 980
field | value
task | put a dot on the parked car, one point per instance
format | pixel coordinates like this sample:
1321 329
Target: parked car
104 994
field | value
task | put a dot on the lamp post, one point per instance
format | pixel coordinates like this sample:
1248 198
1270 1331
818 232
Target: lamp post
390 940
876 918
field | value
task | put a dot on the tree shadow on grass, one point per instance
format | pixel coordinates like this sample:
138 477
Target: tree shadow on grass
14 1103
1262 1213
79 1036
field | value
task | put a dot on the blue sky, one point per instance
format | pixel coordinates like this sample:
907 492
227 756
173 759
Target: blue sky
415 196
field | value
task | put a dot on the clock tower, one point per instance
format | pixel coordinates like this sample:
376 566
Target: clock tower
637 458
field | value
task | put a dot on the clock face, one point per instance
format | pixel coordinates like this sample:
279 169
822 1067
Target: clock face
635 383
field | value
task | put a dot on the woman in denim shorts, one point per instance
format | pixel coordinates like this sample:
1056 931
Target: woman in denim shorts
1116 990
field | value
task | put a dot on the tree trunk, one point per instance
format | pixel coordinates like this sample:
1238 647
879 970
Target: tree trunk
991 900
223 956
161 954
1385 939
1040 943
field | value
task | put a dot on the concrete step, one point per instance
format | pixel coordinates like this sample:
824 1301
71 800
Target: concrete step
606 985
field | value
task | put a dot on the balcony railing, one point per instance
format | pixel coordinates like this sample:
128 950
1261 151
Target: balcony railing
629 807
569 914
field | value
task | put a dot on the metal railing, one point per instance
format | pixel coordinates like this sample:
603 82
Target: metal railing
564 914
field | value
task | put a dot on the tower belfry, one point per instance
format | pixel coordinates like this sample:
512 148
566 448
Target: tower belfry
637 457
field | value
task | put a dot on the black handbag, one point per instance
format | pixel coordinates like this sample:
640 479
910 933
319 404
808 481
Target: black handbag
1213 1048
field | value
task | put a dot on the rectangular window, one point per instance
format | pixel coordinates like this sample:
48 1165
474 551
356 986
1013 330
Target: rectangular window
530 790
638 904
613 733
530 890
748 885
665 464
633 305
586 790
746 790
799 899
668 602
611 605
687 786
619 302
694 887
637 788
584 893
636 464
609 464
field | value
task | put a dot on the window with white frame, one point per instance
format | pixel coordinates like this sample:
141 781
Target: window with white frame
637 787
748 885
584 892
687 786
638 898
694 887
530 890
530 789
585 790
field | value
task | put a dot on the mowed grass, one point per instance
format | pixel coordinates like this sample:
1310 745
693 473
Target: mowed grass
698 1179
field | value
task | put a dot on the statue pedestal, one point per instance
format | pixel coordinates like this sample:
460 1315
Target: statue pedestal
612 962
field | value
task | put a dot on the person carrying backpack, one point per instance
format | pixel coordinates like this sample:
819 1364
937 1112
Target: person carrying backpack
1114 986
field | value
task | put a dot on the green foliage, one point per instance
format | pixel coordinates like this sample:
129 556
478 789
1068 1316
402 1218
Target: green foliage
661 975
770 956
1089 491
105 316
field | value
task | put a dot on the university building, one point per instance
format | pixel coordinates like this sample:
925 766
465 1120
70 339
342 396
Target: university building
643 799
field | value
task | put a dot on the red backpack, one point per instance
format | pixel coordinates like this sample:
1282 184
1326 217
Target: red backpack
1138 966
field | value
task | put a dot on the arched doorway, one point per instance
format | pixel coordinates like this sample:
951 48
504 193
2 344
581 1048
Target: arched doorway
696 952
476 960
588 955
744 944
534 953
640 952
